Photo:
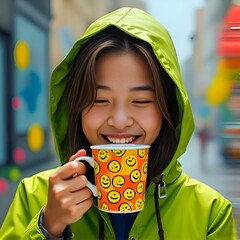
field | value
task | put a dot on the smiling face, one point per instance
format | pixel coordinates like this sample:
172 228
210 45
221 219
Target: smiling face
125 207
103 155
140 188
118 181
125 108
105 181
131 160
114 166
129 194
117 91
135 176
114 196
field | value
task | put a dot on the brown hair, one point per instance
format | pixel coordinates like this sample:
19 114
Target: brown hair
81 93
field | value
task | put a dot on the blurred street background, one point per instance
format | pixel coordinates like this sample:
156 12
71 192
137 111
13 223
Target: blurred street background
36 35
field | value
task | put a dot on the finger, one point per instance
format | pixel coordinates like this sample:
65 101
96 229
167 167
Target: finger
68 170
80 153
77 183
81 196
83 206
77 210
75 198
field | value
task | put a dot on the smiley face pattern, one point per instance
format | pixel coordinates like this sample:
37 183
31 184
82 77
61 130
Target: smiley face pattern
120 176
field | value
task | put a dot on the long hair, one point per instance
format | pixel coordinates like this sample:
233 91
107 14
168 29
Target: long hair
81 93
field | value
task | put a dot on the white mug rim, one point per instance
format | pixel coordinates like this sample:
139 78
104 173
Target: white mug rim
119 146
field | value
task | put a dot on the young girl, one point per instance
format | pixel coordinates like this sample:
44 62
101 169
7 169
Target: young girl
120 83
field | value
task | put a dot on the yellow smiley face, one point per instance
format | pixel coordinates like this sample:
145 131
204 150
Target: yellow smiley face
131 160
114 166
114 196
99 196
105 181
96 168
118 152
129 194
141 153
125 207
135 176
103 155
105 207
140 188
145 165
139 204
118 181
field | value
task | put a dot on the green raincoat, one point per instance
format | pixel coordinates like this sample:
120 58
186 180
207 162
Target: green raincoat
190 210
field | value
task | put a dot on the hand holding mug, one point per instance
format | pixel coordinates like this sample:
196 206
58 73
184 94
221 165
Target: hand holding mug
68 196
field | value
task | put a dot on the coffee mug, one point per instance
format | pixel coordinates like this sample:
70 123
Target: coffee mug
120 175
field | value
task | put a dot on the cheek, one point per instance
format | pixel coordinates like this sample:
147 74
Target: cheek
156 126
151 122
91 121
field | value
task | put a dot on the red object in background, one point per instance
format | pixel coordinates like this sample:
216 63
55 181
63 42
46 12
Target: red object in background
228 44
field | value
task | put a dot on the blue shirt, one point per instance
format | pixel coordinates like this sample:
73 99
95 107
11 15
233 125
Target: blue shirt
122 224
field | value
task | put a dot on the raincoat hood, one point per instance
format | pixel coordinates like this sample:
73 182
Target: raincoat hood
138 24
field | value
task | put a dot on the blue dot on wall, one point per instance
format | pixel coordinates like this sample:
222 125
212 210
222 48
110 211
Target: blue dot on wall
31 91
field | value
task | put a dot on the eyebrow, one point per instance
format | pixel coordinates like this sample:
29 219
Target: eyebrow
137 88
142 88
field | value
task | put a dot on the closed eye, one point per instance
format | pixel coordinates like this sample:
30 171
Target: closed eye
143 101
101 101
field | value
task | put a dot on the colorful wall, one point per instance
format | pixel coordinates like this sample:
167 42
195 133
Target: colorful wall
24 79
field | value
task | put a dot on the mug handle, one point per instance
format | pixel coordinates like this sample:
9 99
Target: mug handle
90 160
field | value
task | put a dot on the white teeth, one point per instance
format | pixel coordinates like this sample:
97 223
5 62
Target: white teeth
121 140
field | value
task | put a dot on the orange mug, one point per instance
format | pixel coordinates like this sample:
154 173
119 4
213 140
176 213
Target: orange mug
120 175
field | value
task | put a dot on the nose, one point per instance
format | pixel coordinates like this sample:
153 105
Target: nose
120 117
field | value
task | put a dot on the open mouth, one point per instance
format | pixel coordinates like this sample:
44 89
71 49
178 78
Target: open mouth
120 140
